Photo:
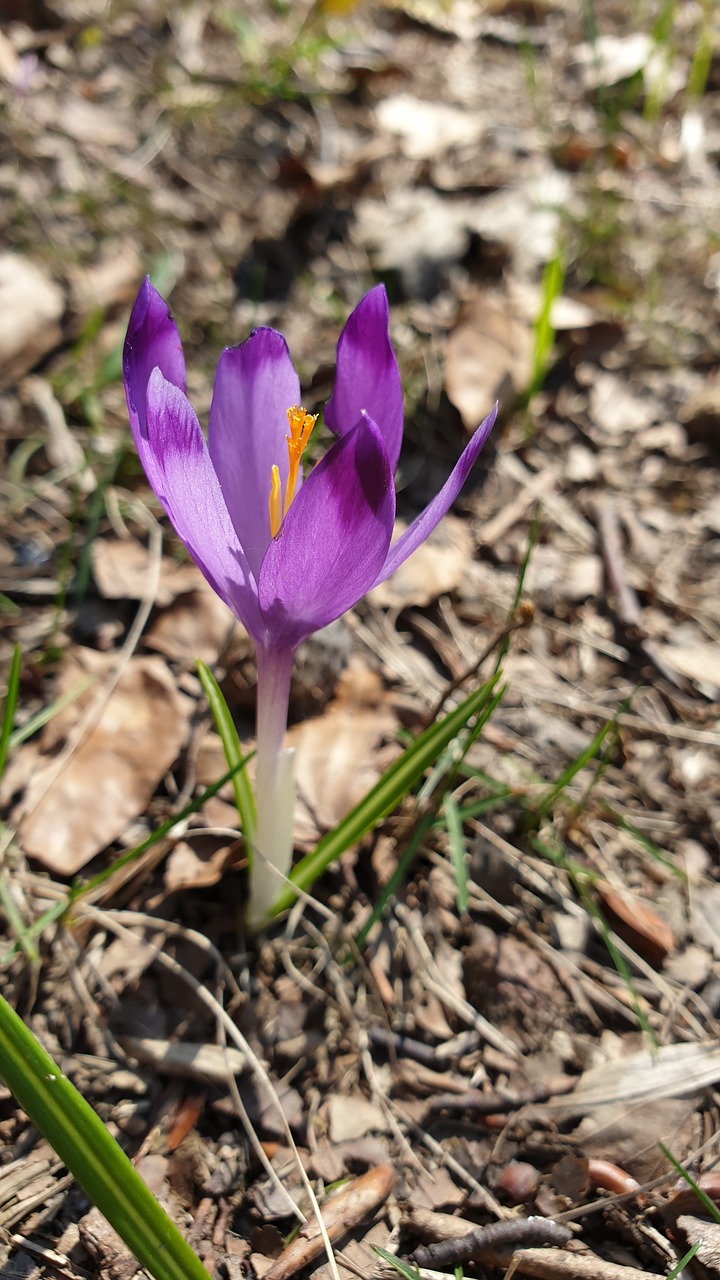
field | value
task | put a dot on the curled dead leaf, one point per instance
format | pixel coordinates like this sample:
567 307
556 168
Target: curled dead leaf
112 775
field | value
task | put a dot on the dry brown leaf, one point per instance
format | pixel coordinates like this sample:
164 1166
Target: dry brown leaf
487 359
353 1117
197 625
120 568
199 865
644 929
336 753
426 128
31 309
700 662
111 777
436 568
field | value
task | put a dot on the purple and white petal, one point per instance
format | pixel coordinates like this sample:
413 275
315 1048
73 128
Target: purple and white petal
185 482
367 379
152 341
423 525
255 385
333 540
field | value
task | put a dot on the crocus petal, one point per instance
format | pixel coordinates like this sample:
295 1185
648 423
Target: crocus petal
190 493
367 378
333 540
423 525
255 385
152 341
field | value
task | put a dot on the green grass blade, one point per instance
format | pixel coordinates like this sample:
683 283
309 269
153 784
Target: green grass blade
681 1265
402 867
9 705
458 850
553 794
387 793
408 1272
708 1204
225 725
43 717
551 288
93 1157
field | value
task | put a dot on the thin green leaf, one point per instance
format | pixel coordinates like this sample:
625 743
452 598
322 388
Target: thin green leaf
551 288
708 1204
9 705
410 1273
16 923
681 1265
402 867
553 794
225 725
93 1157
41 718
387 793
653 849
458 850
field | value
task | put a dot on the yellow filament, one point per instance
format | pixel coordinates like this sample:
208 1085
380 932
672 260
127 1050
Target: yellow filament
301 425
275 503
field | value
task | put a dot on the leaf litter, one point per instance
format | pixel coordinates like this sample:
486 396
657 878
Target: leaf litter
566 1021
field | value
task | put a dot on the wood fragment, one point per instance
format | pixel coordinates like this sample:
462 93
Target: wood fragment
516 1233
561 1264
341 1213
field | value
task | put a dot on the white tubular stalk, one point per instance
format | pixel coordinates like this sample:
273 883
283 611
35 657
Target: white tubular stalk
274 787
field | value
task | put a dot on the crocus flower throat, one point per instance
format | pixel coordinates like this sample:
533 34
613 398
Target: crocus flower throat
301 425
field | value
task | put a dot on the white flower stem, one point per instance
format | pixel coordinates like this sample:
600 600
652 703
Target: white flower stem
274 785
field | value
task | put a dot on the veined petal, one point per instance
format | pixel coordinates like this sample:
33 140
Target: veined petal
333 540
255 385
423 525
152 341
367 378
190 493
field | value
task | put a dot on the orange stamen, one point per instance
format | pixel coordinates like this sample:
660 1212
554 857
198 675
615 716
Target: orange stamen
301 425
275 503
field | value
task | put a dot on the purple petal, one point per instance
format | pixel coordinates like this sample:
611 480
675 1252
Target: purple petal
184 480
152 341
255 385
333 540
423 525
367 378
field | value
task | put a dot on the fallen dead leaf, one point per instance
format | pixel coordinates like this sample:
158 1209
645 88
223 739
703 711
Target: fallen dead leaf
426 128
197 625
353 1117
336 753
199 865
31 310
112 776
640 924
120 569
438 567
487 359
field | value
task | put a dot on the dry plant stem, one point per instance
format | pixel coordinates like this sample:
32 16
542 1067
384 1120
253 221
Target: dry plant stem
627 605
341 1213
518 1233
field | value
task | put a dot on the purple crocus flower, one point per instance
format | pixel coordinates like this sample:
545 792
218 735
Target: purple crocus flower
287 554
